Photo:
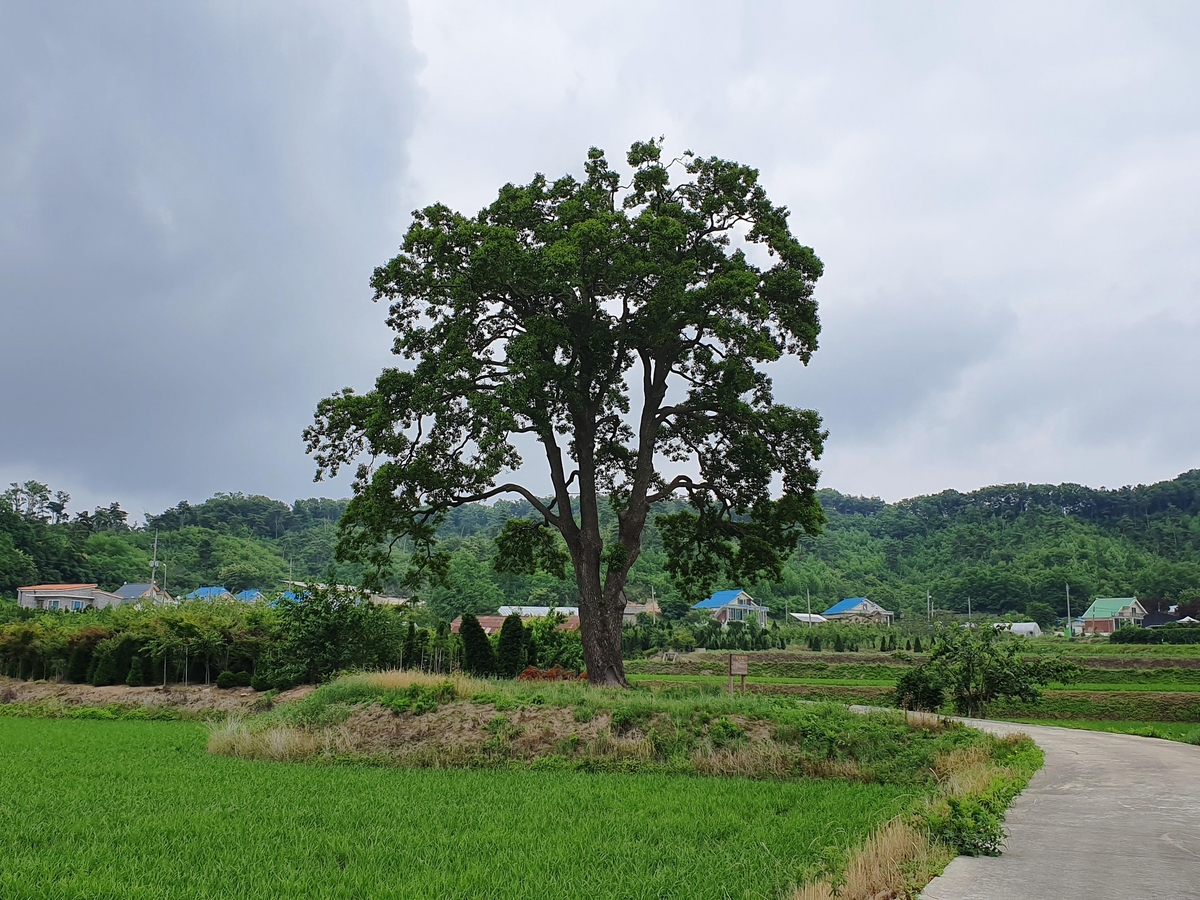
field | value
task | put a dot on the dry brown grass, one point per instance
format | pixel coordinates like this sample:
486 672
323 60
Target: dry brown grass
282 742
757 760
465 687
895 862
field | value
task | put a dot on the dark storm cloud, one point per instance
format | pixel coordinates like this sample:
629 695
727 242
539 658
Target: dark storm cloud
191 200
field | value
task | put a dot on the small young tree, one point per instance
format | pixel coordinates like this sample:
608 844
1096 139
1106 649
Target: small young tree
920 688
977 666
478 658
510 653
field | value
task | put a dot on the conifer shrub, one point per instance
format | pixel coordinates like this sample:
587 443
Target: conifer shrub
260 683
105 670
77 666
478 657
510 651
136 674
243 679
227 680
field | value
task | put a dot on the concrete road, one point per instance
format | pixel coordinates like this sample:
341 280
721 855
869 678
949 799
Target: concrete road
1108 816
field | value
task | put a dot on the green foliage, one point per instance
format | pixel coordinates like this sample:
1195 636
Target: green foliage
328 630
1042 613
478 657
227 680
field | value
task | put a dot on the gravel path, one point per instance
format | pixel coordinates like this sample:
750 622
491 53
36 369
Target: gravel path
1108 816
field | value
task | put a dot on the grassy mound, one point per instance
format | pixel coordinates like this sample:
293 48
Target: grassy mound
409 719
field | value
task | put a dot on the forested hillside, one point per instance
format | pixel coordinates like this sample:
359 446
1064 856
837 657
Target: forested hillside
1001 547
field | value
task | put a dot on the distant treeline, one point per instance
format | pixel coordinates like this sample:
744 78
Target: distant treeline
996 550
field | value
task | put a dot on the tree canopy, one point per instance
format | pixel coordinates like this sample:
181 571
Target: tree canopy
621 327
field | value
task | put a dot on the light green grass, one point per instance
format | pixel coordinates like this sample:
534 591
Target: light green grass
1154 687
1173 731
723 680
121 809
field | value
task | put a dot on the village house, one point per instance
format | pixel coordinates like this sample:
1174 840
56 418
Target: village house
860 611
1107 614
493 624
633 610
214 592
734 606
131 593
68 597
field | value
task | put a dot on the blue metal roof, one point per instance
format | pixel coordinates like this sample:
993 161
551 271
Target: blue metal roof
249 596
206 593
843 606
719 599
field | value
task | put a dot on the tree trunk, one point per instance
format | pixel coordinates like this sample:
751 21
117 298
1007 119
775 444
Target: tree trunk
600 628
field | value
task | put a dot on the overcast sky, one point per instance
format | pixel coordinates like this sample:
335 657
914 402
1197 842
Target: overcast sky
192 198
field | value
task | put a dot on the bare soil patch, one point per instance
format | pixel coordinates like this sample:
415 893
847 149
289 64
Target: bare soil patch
195 699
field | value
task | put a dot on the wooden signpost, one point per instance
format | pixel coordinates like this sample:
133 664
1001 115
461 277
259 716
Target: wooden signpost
739 664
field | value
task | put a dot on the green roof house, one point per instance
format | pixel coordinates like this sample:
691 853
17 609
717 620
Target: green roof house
1107 614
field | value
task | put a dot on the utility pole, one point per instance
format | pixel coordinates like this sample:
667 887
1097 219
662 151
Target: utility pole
809 596
154 563
968 609
1069 630
928 607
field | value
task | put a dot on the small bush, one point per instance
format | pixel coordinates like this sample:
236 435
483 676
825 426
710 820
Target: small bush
920 689
973 826
243 679
135 676
260 683
227 680
724 733
626 720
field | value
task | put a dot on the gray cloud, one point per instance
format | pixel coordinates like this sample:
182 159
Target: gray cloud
1007 200
192 200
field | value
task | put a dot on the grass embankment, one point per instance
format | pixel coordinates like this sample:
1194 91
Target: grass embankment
139 810
409 719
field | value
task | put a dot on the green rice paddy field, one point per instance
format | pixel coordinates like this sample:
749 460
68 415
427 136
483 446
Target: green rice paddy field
125 809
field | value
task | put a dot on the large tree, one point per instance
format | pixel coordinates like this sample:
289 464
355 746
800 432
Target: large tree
625 328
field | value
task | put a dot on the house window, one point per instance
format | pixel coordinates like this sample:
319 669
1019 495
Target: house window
77 605
54 604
